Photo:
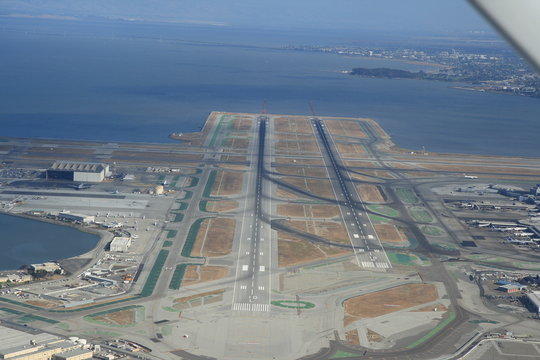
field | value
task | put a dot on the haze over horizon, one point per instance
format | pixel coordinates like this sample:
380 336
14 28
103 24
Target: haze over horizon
449 17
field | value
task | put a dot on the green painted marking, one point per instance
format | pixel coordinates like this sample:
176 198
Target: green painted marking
400 258
208 187
31 317
435 330
344 354
432 230
167 243
182 206
191 237
155 272
178 217
292 304
194 182
171 233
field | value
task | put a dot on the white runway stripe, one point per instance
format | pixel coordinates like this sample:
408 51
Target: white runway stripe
251 307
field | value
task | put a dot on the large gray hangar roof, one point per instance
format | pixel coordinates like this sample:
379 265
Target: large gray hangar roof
77 166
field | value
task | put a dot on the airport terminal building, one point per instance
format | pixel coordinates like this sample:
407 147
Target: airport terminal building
78 171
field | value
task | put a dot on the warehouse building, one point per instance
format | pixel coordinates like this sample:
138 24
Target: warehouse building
83 219
120 244
78 171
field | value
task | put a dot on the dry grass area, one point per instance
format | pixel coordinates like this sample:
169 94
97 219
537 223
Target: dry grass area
221 205
293 124
378 173
303 171
388 301
293 147
293 250
319 187
198 296
242 123
236 143
370 193
436 307
215 237
227 183
308 211
359 177
234 158
44 303
329 230
196 274
352 337
389 233
122 317
345 128
306 162
292 136
373 336
402 165
350 148
59 150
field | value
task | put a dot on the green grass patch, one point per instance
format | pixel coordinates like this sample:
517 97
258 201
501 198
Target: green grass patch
482 321
63 326
191 237
167 243
398 258
11 311
31 317
293 304
182 206
216 132
378 219
407 196
160 179
435 330
384 210
177 277
187 195
421 215
155 272
171 233
178 217
432 230
208 187
194 182
344 354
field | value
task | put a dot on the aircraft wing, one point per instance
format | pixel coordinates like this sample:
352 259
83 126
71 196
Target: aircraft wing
519 21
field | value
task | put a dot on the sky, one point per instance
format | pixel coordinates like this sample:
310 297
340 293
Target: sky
432 16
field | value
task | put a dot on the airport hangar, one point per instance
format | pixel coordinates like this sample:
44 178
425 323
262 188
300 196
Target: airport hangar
77 171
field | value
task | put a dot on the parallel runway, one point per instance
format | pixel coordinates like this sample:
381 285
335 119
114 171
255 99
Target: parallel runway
253 274
366 245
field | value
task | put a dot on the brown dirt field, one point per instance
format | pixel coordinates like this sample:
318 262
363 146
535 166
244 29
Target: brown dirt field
345 128
370 193
293 251
302 171
227 183
402 166
391 300
378 173
292 136
308 211
289 147
222 205
389 233
361 177
439 307
196 274
355 149
233 167
123 317
331 231
293 124
242 124
299 161
420 174
198 296
351 337
237 143
214 238
373 336
44 303
314 186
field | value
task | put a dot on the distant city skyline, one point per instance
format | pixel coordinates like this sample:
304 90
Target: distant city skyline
414 16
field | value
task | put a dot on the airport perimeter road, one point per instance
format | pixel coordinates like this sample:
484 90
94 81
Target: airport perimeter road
252 285
364 240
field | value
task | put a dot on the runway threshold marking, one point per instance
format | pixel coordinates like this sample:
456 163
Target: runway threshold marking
251 307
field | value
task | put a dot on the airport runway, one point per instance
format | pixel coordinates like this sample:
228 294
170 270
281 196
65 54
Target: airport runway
253 278
367 247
